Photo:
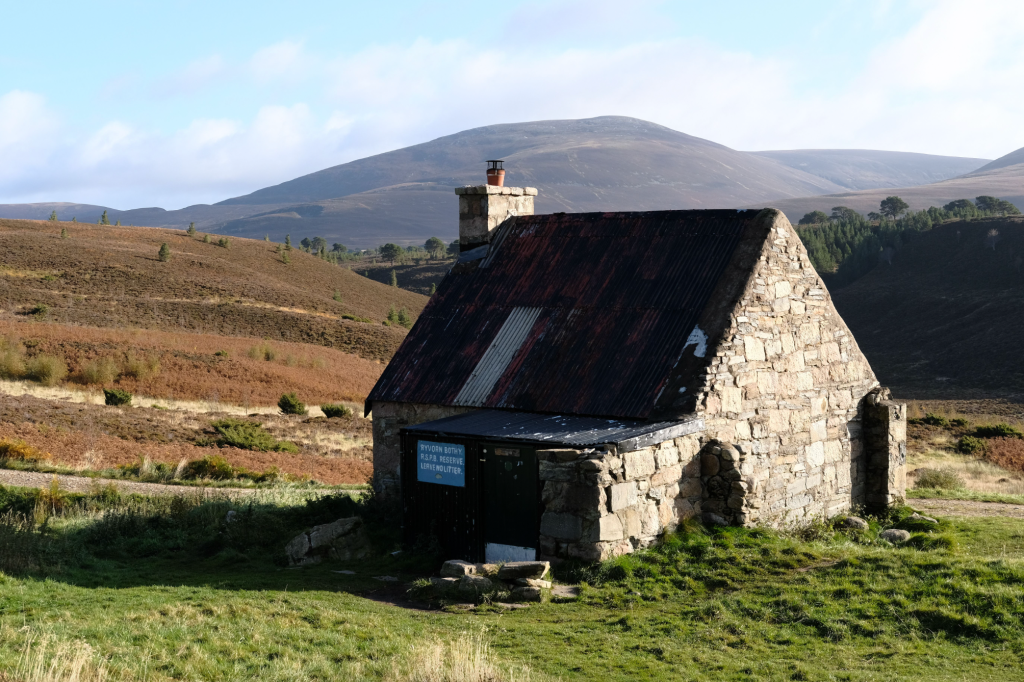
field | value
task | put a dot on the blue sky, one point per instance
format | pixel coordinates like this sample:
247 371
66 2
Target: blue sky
137 104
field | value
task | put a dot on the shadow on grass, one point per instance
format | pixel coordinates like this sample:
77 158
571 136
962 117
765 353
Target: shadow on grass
106 540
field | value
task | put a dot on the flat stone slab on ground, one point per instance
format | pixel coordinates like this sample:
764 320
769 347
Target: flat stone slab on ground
523 569
565 592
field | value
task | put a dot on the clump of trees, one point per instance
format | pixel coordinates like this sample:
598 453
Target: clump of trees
846 245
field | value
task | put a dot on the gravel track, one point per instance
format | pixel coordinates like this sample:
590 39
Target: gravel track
81 484
967 508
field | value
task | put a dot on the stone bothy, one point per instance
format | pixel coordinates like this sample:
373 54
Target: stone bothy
582 383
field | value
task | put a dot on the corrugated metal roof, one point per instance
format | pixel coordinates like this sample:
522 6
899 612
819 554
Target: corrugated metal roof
618 295
553 430
496 358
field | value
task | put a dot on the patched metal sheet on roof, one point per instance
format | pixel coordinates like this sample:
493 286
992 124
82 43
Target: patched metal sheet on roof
617 296
556 430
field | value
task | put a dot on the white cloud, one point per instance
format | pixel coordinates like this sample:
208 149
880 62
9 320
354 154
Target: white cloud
948 85
284 59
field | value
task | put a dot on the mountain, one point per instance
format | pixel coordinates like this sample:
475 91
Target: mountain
1011 159
858 169
943 320
606 163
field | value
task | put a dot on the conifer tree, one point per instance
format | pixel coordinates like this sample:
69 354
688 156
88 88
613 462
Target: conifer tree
206 239
394 279
266 237
433 288
74 219
63 233
104 220
392 315
284 257
287 242
117 224
165 253
191 230
53 216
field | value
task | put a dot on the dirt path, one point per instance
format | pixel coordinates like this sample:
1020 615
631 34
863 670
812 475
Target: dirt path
81 484
967 508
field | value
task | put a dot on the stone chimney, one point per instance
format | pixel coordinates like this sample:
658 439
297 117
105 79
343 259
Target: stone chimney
483 207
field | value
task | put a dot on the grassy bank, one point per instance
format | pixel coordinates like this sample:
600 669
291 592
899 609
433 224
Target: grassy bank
172 590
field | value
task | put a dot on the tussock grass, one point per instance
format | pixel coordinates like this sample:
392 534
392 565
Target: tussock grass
104 370
48 370
467 658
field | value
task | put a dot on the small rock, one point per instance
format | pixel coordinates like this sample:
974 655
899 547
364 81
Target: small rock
475 584
503 605
345 572
524 569
918 517
386 578
714 519
457 568
855 522
534 582
526 594
231 517
894 535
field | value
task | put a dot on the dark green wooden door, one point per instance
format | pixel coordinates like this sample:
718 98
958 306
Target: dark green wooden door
510 502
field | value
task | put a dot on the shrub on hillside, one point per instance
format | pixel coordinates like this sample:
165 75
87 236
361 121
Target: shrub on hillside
206 239
998 431
969 445
164 254
249 435
213 467
1006 452
223 242
356 318
115 396
264 351
46 369
336 410
12 359
21 451
935 420
39 310
942 479
100 371
959 423
141 368
290 404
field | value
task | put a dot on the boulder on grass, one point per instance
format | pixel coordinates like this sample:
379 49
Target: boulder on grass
457 568
895 535
342 540
475 584
855 522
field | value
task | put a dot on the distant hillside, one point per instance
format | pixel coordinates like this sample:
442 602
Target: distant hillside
111 277
1005 182
1011 159
944 320
858 169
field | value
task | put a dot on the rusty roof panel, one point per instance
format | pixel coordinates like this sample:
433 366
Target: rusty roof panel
616 296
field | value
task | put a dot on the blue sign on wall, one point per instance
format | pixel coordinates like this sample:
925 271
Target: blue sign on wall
442 463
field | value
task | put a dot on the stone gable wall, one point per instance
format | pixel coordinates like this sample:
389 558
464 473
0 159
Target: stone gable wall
600 503
785 387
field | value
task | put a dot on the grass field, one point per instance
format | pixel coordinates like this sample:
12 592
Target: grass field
163 590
